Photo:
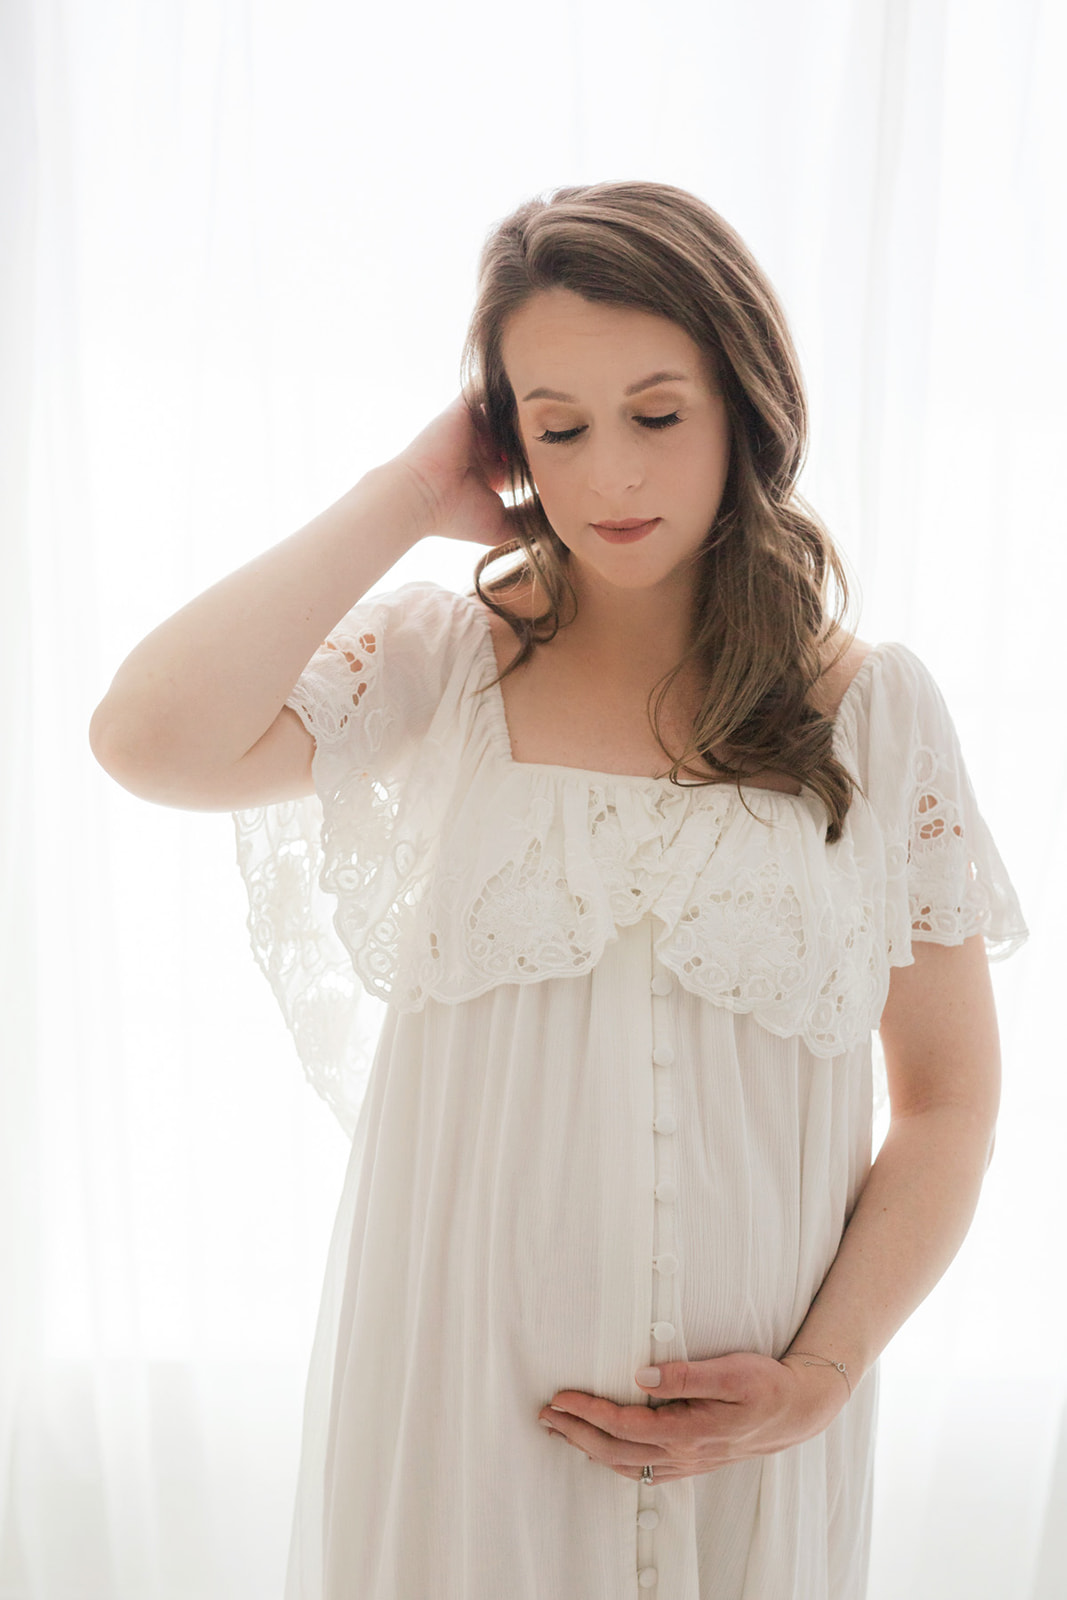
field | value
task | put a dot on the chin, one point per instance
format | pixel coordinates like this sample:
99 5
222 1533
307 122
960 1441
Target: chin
625 575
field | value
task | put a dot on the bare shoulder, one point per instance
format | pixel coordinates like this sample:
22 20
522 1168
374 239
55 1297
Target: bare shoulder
521 601
839 673
527 600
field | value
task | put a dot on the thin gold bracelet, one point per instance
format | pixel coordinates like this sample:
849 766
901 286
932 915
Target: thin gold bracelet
839 1365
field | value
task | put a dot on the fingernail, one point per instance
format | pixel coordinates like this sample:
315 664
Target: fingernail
649 1376
546 1424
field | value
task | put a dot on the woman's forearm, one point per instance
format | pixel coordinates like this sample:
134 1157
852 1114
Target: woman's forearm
207 683
911 1217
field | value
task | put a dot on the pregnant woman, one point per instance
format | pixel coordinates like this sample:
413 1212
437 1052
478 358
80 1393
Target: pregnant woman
638 846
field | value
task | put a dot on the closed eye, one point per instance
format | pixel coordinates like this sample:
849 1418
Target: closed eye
548 437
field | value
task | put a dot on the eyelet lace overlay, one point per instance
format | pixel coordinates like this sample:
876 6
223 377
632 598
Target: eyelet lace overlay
950 870
333 1023
328 697
430 864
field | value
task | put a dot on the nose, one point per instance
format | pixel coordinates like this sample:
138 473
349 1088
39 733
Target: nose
613 466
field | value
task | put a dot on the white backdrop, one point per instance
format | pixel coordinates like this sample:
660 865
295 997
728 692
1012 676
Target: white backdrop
237 255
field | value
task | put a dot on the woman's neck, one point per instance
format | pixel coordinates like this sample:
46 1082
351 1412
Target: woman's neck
635 634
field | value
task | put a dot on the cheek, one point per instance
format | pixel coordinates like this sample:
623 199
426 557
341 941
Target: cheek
551 482
706 469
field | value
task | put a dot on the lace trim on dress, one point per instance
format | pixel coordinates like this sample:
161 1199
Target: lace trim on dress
430 864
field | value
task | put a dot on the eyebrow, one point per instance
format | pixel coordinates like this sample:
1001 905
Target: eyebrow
635 388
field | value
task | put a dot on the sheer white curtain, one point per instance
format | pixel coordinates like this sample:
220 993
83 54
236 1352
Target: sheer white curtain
237 259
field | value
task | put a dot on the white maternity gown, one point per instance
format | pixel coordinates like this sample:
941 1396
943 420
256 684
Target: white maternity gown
619 1111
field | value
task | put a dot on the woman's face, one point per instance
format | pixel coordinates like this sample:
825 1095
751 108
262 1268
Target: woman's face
614 464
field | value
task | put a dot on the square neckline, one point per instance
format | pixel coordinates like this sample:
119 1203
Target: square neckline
486 646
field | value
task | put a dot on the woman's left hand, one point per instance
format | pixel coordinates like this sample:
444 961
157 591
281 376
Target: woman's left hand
723 1410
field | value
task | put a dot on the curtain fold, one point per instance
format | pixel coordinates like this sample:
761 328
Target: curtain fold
237 252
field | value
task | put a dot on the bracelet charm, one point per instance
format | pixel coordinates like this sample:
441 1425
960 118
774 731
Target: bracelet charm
825 1361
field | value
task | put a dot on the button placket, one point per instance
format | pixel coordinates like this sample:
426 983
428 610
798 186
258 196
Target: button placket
665 1262
665 1125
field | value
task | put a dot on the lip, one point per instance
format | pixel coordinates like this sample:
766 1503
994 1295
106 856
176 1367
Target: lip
628 533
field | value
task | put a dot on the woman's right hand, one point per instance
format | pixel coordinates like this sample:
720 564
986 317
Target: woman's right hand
459 476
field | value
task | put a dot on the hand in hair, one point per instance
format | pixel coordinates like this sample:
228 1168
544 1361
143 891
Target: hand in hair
460 475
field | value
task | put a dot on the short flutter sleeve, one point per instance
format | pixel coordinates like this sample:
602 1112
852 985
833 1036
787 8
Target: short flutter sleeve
946 879
367 696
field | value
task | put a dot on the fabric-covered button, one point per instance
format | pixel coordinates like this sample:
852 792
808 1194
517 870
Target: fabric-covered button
661 984
648 1577
666 1264
663 1331
666 1191
666 1122
648 1519
663 1055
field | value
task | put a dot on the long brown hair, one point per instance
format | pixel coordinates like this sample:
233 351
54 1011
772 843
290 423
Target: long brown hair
762 615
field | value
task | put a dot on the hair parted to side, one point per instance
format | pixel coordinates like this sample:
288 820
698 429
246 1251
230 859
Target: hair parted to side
762 618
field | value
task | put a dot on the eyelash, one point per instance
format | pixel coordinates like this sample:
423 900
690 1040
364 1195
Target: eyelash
548 437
